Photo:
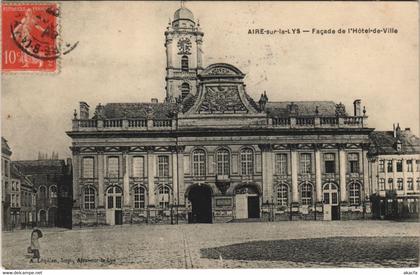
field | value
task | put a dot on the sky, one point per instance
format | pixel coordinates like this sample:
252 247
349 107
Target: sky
121 58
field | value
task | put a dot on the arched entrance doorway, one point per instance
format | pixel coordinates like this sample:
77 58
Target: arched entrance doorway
52 216
42 218
247 202
200 199
331 208
114 205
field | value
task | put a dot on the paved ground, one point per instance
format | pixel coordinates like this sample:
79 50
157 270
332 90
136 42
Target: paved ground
182 246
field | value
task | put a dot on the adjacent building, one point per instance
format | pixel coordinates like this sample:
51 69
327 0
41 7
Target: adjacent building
51 179
6 184
211 153
395 164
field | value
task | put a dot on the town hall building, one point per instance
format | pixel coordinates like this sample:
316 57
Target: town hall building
211 153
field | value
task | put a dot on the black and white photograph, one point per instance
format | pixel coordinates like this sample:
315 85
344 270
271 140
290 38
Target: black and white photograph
222 135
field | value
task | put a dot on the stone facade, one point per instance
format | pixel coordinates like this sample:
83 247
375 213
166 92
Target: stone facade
395 164
6 184
216 155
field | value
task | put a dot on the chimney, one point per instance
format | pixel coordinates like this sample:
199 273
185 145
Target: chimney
407 129
84 110
357 107
155 100
393 130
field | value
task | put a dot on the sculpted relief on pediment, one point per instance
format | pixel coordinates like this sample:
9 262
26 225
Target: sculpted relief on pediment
222 99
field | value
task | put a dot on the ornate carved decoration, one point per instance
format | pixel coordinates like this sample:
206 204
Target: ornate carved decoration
340 109
365 146
329 146
75 150
305 146
265 147
100 149
280 147
293 108
149 149
87 149
341 146
177 148
222 99
223 186
221 71
112 149
352 146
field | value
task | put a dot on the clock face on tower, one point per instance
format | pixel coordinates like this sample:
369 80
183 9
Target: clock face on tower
184 46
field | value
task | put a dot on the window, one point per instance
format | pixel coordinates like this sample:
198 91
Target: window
306 193
247 161
354 162
185 90
329 160
399 166
139 197
223 162
164 196
184 63
163 166
199 162
418 165
389 166
381 184
382 166
281 164
42 192
409 165
390 184
400 183
6 168
418 184
410 184
89 198
282 195
138 167
305 163
53 191
113 167
354 193
87 167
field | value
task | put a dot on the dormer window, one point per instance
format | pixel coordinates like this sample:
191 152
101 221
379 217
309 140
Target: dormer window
398 145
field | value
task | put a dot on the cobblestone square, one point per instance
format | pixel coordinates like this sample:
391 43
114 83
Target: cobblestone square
184 246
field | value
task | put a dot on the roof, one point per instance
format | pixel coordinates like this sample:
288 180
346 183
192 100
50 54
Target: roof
139 110
183 13
16 174
28 167
304 108
384 142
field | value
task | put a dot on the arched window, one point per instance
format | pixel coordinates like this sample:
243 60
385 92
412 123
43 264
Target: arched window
306 194
139 197
247 161
42 192
89 198
282 197
354 193
164 196
223 162
199 162
185 89
43 217
400 183
53 191
184 63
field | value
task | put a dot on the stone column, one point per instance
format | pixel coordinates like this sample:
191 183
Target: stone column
101 170
267 172
168 51
199 53
175 175
343 187
126 178
294 163
318 181
181 184
366 172
151 176
76 175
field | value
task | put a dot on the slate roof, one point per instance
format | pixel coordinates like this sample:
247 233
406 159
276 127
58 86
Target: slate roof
139 110
28 167
305 108
383 142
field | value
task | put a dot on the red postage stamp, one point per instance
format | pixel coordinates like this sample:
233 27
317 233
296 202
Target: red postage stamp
30 37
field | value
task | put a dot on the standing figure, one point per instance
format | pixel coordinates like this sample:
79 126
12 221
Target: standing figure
35 247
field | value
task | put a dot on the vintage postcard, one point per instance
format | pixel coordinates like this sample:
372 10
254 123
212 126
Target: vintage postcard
210 135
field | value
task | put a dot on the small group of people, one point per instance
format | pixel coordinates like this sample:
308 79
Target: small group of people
35 248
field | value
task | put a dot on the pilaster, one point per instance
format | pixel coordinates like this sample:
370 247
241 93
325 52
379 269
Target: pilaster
267 171
126 177
342 162
294 164
76 174
318 181
101 169
150 175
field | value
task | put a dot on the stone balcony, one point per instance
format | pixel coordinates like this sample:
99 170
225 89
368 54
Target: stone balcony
171 124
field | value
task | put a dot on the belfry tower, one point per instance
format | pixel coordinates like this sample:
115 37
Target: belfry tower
183 41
